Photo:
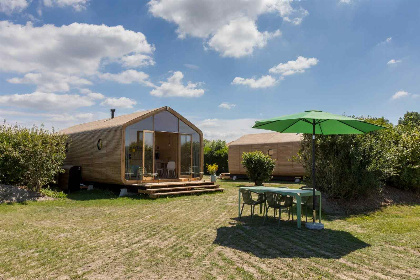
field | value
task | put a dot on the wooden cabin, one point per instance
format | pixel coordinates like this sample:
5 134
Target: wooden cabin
279 146
152 146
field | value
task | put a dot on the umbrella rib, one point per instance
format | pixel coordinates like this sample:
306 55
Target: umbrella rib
255 125
320 127
290 125
351 126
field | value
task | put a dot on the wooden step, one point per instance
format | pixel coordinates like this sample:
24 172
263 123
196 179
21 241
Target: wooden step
149 191
156 195
173 184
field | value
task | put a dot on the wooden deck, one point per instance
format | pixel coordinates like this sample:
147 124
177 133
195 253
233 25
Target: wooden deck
155 190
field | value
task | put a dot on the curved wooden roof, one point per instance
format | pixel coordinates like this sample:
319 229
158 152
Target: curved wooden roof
124 120
267 138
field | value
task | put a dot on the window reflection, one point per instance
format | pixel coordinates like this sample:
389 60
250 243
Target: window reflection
186 154
165 121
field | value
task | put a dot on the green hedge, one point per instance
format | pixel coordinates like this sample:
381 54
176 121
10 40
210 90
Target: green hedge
30 157
216 152
348 166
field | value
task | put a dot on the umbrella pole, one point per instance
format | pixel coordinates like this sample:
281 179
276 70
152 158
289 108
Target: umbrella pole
313 174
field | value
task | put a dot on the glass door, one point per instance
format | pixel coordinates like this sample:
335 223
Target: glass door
148 153
186 155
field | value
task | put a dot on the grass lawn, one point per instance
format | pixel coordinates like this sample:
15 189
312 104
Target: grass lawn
97 235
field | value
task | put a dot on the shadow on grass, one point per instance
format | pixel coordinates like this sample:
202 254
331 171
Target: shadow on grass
286 240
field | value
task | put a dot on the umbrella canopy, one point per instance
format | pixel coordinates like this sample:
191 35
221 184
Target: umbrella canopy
316 122
324 123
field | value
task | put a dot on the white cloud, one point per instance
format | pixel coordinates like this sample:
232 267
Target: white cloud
191 66
50 82
226 105
13 6
57 58
239 38
78 5
394 61
121 102
387 41
284 69
47 101
345 1
226 129
174 87
128 77
92 95
263 82
215 20
294 66
403 94
65 117
137 60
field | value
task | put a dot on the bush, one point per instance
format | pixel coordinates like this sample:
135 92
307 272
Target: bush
349 166
30 157
404 157
259 167
216 151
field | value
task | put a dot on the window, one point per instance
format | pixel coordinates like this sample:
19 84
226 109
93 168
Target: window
165 121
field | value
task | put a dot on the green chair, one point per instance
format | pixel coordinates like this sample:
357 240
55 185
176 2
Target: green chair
278 202
248 200
288 203
273 200
306 202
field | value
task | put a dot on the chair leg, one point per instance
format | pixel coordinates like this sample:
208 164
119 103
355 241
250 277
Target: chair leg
266 214
242 209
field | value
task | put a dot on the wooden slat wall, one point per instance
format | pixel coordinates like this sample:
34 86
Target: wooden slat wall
102 166
282 153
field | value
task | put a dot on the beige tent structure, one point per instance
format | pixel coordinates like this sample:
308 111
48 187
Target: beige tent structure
148 146
280 146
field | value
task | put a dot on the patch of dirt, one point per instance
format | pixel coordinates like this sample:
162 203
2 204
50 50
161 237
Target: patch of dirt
10 194
372 202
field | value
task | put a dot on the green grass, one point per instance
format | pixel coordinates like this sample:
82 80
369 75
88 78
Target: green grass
98 235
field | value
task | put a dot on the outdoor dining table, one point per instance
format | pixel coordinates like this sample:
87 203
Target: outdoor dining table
296 193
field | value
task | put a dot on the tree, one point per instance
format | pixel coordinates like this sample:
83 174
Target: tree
259 167
410 117
216 152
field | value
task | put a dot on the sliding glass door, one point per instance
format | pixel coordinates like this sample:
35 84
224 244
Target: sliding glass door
186 155
148 152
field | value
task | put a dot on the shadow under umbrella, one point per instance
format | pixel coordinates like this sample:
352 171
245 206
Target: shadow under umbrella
272 240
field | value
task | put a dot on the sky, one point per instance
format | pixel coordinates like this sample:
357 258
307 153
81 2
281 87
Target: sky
221 64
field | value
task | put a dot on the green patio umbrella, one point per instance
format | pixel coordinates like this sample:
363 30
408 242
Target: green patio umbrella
316 122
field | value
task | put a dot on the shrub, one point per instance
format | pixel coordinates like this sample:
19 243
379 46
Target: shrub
216 151
30 157
404 156
259 167
212 169
348 166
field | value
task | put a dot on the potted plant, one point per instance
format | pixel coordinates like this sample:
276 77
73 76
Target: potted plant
212 169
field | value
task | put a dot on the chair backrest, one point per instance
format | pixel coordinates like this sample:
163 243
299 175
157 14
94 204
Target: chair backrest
171 165
308 200
272 199
247 197
288 201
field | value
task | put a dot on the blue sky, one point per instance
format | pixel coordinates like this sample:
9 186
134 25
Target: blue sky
222 64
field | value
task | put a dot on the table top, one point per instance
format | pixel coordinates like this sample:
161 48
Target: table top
281 190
